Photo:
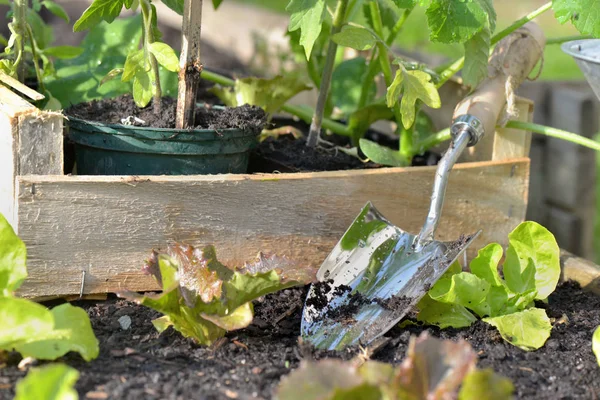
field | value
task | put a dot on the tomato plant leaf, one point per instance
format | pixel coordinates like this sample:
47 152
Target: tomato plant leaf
135 62
50 382
175 5
416 85
165 55
361 119
528 329
355 37
381 154
344 92
143 89
583 14
216 3
13 259
485 384
307 16
533 251
477 51
64 52
452 21
203 299
112 74
56 9
99 10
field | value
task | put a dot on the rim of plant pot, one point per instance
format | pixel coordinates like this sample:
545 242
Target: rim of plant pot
116 149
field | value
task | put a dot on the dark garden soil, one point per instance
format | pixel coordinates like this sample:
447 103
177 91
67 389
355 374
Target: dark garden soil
140 364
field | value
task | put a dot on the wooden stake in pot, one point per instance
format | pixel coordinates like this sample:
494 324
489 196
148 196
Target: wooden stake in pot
189 64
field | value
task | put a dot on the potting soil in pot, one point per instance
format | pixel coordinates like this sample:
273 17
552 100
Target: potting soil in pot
138 363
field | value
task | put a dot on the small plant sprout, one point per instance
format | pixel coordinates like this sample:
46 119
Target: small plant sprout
531 272
203 299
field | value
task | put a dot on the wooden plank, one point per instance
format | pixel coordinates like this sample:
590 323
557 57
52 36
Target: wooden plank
31 142
108 225
514 143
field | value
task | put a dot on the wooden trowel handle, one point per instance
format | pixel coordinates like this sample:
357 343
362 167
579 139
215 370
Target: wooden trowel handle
513 59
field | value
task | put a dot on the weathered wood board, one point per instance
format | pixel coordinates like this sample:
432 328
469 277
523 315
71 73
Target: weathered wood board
107 226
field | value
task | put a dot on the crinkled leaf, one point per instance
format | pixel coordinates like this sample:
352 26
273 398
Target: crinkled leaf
584 14
203 299
444 315
527 329
381 154
463 289
596 344
13 257
22 321
345 93
56 9
99 10
64 52
477 51
485 384
434 368
360 120
72 332
453 21
533 251
50 382
355 37
165 56
269 94
175 5
415 85
485 265
307 16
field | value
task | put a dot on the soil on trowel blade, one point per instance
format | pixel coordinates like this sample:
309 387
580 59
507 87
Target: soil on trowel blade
138 363
112 111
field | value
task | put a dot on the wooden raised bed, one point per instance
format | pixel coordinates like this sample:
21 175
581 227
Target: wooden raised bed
105 226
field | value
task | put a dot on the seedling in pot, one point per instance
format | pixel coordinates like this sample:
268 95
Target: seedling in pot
28 52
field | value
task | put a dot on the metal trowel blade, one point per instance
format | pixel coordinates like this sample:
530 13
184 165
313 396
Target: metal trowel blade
371 280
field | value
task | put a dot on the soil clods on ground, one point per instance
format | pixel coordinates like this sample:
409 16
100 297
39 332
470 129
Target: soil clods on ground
138 363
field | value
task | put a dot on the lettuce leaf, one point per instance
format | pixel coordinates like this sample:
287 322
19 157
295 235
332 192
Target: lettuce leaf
527 329
203 299
50 382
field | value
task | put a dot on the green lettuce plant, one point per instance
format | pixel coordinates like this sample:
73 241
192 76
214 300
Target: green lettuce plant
50 382
531 271
432 369
30 43
203 299
596 344
28 327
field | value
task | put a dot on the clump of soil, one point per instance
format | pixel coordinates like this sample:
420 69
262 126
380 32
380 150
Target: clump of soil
394 303
248 364
112 111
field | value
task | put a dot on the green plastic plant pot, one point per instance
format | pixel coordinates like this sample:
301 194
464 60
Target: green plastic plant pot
109 149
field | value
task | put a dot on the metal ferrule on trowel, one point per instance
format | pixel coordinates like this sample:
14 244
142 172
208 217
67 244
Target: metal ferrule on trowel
385 271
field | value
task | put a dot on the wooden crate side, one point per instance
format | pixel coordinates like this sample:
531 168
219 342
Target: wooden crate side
106 226
31 143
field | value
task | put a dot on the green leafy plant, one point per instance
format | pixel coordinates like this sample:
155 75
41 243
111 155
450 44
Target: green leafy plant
142 64
531 272
28 327
596 344
50 382
203 299
28 52
432 369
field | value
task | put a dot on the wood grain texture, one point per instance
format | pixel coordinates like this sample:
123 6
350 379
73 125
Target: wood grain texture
31 142
108 225
580 270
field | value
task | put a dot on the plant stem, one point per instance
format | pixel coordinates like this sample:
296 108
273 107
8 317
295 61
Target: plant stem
368 79
149 39
563 39
398 26
317 120
406 135
556 133
20 26
36 65
453 68
444 135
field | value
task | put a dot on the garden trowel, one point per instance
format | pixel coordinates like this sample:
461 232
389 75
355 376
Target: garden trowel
378 272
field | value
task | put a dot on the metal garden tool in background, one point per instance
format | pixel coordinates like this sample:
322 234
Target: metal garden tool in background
378 272
587 55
